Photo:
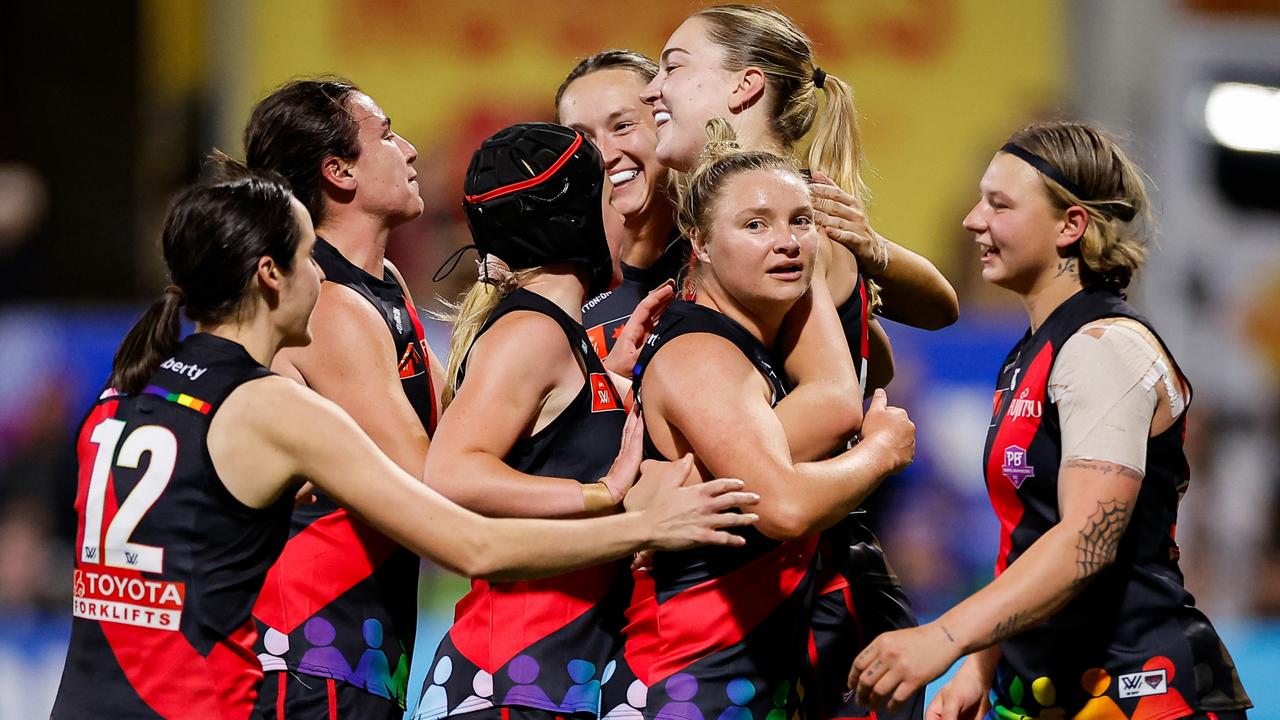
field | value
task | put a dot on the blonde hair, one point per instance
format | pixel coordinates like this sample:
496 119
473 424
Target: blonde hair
752 36
699 190
1121 222
472 310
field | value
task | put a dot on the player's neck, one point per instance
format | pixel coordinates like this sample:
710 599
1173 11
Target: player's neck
646 236
362 239
1052 290
260 339
562 284
763 322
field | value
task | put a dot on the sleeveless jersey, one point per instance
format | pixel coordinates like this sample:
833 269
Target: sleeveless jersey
341 602
605 314
168 562
859 595
541 646
854 321
1131 644
718 630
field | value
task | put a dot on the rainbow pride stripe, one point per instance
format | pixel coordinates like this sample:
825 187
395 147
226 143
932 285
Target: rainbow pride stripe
182 399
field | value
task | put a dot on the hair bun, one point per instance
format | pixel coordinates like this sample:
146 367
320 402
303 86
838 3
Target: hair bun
721 141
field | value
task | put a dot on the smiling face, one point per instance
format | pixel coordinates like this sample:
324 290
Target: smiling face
1017 228
605 106
760 240
386 180
691 87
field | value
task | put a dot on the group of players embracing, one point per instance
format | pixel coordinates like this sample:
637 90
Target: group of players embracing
649 445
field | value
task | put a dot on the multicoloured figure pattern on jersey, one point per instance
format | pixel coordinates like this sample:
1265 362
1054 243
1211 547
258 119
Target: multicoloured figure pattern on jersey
340 604
533 648
716 632
859 595
1132 644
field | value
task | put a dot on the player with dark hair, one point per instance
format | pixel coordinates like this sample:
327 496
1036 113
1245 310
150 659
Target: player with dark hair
190 458
338 617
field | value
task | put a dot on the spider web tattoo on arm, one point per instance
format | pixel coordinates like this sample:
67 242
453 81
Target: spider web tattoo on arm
1100 538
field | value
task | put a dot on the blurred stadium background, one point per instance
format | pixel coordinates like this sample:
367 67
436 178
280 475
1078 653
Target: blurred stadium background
112 106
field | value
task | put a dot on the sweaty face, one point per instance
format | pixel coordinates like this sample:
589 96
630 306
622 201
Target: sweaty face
761 244
692 86
387 183
301 287
605 106
1015 226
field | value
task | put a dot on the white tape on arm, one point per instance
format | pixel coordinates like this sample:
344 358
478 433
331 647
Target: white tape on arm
1104 387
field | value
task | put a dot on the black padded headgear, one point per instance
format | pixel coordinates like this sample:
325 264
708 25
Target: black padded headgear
533 197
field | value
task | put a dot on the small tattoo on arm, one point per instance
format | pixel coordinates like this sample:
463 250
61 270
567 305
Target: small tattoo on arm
947 632
1008 627
1104 468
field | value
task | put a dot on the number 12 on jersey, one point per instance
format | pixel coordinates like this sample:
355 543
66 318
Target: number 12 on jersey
114 549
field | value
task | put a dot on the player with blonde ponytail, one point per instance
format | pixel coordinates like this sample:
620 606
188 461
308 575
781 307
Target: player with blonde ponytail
757 71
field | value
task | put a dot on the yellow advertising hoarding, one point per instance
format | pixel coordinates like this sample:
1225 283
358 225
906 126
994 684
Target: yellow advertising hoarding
939 83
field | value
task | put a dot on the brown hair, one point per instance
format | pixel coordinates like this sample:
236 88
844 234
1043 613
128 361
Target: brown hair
637 63
1121 222
214 235
297 126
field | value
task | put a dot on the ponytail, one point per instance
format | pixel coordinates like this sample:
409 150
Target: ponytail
151 341
836 149
495 282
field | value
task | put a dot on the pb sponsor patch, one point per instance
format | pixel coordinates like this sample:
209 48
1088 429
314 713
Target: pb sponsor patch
110 597
1142 684
1015 465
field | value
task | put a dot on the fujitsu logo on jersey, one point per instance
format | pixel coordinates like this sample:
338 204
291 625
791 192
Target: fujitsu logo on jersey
1022 407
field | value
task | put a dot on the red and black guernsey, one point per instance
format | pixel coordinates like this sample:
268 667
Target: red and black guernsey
859 596
607 313
716 630
540 647
341 601
168 562
855 322
1131 645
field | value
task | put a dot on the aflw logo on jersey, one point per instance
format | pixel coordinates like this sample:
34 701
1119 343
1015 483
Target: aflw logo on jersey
1021 407
108 597
1141 684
